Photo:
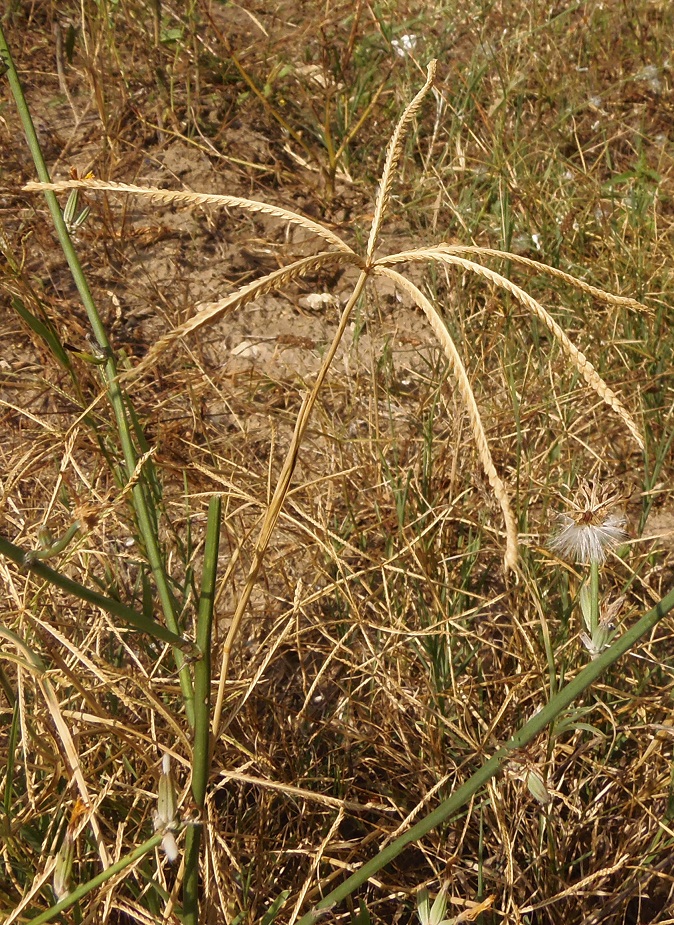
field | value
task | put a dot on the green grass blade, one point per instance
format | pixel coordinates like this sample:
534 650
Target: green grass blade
44 331
115 395
115 608
202 713
85 888
525 734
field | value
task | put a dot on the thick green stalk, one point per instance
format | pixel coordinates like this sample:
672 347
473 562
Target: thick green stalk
529 731
201 762
138 620
594 597
85 888
191 881
109 368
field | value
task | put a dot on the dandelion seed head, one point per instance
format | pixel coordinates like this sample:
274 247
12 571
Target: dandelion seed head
592 527
405 45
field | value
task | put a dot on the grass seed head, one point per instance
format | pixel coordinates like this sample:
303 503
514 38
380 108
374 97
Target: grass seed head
165 816
64 866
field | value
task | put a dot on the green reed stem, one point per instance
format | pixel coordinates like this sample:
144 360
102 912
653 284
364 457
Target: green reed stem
525 734
594 597
109 368
201 761
85 888
135 619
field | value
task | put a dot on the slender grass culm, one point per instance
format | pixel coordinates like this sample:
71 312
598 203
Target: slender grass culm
162 855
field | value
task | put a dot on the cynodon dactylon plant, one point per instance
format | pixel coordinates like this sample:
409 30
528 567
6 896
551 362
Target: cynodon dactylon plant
337 251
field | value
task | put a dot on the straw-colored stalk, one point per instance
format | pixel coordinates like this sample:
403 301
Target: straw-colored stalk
278 498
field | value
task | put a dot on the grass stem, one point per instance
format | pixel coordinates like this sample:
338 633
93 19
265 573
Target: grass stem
201 762
594 597
524 735
115 394
85 888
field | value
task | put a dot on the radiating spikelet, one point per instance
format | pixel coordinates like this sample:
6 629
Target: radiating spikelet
187 197
210 312
544 268
579 360
392 157
461 376
342 253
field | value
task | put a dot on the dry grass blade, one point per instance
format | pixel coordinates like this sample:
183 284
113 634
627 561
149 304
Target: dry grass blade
544 268
73 761
190 198
579 360
278 498
461 376
304 794
392 156
210 312
33 664
592 881
315 864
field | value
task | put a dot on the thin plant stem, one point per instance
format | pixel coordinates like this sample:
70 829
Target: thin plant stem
202 675
278 498
594 597
85 888
490 768
6 687
109 368
191 881
202 701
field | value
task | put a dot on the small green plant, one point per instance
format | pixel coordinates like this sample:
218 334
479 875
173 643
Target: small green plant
436 914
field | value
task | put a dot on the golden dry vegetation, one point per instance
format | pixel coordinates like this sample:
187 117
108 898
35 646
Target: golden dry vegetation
391 418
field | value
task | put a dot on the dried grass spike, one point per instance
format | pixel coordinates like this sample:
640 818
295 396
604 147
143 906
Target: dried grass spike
577 357
461 377
547 270
210 312
191 198
392 156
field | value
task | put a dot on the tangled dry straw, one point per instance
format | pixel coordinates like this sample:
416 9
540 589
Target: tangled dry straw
370 268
